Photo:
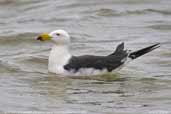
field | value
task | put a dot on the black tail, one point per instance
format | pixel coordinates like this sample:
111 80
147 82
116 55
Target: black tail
143 51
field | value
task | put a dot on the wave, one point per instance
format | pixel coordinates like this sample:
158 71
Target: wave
111 12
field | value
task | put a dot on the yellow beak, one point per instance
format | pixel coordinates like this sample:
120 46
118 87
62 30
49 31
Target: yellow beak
44 37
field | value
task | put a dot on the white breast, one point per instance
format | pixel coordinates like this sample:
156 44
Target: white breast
59 56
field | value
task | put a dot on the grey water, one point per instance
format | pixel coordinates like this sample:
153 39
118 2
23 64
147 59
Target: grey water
96 27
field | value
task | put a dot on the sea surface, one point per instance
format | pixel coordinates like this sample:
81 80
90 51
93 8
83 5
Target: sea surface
95 27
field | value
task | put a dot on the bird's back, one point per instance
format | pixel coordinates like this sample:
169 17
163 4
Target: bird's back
109 62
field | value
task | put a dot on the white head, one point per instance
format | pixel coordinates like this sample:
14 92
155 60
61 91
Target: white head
58 37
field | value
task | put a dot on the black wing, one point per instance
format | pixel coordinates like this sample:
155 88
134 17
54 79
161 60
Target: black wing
109 62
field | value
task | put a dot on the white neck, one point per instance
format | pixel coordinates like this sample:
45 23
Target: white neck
59 56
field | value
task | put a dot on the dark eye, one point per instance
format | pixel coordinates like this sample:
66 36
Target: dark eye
57 34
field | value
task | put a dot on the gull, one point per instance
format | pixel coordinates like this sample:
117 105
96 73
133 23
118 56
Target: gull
62 62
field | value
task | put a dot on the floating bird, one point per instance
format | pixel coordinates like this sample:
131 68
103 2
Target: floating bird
62 62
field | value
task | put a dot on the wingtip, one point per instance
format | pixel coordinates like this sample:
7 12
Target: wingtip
157 45
143 51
